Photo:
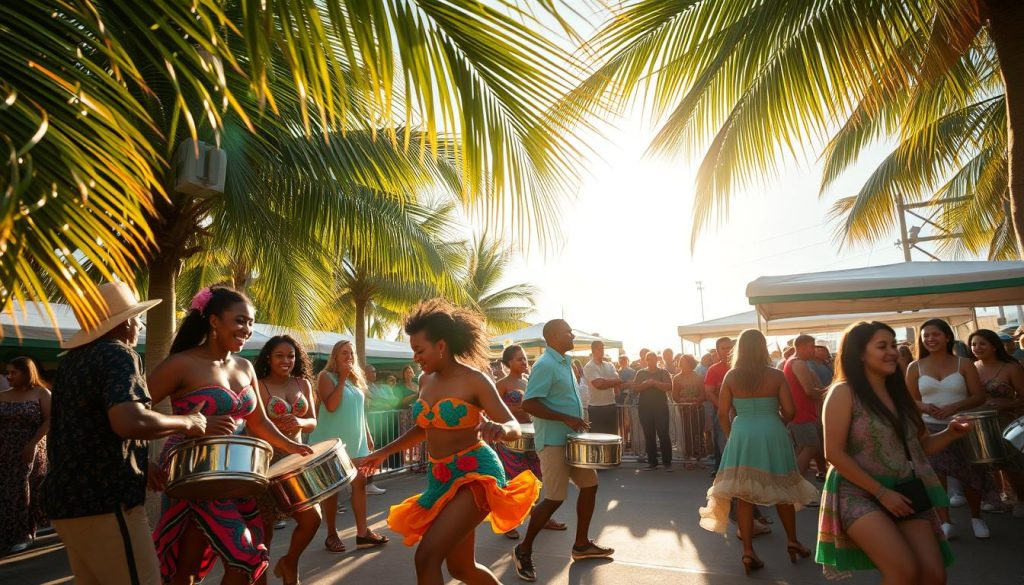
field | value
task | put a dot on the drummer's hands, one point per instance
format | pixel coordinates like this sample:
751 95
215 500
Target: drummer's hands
298 449
369 464
156 479
929 409
945 412
195 422
578 425
896 503
220 425
959 427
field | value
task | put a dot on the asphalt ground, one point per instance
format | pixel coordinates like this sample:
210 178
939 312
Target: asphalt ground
650 518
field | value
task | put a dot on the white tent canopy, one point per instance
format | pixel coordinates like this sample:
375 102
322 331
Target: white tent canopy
906 286
322 342
733 324
533 336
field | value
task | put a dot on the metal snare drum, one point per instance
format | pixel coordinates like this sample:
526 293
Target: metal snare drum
1014 434
298 483
219 467
984 442
524 443
593 450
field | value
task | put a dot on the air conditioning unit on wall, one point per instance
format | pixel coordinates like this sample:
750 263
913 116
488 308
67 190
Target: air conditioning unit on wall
202 175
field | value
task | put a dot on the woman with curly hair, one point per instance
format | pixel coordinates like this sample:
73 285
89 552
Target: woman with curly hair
285 372
465 479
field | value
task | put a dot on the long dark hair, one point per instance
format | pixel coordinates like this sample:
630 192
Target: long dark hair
303 367
922 351
750 359
462 329
993 339
196 325
850 369
27 366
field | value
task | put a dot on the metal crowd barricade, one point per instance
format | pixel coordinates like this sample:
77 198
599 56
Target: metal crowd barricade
688 428
386 426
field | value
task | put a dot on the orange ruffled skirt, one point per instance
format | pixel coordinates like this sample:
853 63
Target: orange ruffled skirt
478 468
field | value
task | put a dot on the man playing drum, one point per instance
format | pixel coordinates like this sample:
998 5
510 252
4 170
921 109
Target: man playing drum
554 402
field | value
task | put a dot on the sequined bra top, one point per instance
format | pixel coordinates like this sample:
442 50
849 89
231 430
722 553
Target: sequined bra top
448 414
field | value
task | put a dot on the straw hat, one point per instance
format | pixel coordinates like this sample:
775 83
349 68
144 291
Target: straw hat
119 305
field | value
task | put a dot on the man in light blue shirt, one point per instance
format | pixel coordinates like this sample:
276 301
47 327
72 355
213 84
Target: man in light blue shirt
553 400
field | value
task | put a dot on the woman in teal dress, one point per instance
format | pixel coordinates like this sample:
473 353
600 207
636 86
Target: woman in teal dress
875 440
341 389
758 463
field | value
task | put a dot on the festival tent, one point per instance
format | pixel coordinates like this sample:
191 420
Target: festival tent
320 343
733 324
906 286
532 337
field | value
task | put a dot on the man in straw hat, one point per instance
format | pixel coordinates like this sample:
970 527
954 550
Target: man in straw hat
98 449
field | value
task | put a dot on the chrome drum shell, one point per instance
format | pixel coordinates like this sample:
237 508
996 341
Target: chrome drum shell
298 483
984 442
218 467
593 450
524 443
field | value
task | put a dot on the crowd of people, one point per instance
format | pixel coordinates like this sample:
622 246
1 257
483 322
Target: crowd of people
878 429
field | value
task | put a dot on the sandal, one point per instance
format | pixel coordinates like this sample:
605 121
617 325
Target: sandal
371 540
333 544
513 534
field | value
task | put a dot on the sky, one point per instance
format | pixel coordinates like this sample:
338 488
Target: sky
625 269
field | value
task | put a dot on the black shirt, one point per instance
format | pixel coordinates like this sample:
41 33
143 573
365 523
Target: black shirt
93 470
652 395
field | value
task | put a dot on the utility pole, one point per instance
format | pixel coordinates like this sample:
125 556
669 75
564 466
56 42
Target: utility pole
700 293
910 237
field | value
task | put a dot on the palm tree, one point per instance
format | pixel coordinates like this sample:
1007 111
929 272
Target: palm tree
309 101
507 308
758 84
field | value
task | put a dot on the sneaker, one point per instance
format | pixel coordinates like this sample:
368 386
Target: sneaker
957 501
948 530
20 547
280 524
760 529
650 468
1018 510
668 469
980 528
813 504
592 551
524 564
372 490
993 508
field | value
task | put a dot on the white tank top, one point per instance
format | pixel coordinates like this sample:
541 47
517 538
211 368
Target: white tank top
952 388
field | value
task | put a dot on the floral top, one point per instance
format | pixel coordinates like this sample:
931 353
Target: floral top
92 469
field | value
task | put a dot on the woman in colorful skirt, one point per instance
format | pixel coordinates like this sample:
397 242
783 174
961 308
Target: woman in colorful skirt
285 372
878 447
203 375
758 466
466 483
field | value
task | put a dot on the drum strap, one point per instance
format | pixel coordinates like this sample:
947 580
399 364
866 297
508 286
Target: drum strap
126 539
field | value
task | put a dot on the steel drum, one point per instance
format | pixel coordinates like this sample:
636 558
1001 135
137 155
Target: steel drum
524 443
298 483
593 450
219 467
984 441
1014 434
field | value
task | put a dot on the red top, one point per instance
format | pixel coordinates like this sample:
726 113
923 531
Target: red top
716 374
806 411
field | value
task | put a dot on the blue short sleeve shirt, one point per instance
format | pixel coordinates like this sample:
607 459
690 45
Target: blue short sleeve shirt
552 382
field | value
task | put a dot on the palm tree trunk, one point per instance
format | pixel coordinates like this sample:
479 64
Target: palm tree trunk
1006 27
361 304
163 272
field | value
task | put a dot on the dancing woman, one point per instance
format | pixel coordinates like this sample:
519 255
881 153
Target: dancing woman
466 482
878 445
758 464
342 391
203 372
284 372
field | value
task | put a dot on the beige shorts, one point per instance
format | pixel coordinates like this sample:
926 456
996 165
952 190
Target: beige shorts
557 473
99 548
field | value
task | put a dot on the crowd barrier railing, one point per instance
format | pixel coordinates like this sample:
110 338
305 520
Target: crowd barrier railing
689 430
386 426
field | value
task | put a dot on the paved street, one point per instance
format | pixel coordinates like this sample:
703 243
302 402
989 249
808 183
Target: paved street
650 519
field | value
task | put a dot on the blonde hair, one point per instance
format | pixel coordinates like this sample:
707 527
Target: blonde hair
355 374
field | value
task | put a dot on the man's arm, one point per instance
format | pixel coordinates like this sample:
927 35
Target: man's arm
809 382
592 374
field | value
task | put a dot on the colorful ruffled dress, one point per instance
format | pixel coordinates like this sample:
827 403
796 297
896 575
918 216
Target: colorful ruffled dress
477 466
758 464
876 447
233 528
516 462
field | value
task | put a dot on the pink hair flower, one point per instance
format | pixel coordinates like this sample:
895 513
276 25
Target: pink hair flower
201 299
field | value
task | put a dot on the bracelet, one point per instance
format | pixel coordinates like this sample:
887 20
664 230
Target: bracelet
881 490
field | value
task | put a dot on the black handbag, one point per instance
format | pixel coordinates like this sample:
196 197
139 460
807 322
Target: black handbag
913 489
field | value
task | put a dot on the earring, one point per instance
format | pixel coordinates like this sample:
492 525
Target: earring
213 334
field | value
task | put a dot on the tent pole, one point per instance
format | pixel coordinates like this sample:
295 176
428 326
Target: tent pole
974 317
